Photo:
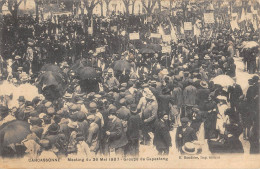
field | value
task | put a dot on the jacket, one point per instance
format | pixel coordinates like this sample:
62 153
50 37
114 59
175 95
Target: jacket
134 125
162 138
117 137
189 95
183 137
93 139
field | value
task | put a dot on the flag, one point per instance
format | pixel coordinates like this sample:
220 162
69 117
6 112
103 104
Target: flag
173 33
243 16
196 29
234 25
161 31
182 29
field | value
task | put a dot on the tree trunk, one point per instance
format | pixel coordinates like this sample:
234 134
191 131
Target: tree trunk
102 10
107 12
160 5
36 10
127 10
133 8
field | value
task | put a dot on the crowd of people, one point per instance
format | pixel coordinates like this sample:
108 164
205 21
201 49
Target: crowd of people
135 96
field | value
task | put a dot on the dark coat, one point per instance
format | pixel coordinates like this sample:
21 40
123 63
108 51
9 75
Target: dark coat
183 137
202 97
117 136
134 125
234 93
162 138
163 104
189 95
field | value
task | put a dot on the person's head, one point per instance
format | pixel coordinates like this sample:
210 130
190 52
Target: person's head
165 117
184 121
110 72
112 113
92 107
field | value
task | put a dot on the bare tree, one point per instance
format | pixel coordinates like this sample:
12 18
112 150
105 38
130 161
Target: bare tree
127 4
149 5
13 6
133 6
90 5
107 4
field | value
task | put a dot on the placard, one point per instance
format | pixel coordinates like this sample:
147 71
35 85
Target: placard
187 26
166 38
155 35
134 36
209 18
166 49
90 30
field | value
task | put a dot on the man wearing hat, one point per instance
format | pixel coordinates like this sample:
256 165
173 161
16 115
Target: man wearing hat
110 81
184 133
93 138
162 138
123 113
115 134
148 106
202 95
132 133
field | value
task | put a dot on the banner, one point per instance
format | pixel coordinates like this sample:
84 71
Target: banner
166 49
134 36
187 26
155 35
209 18
234 25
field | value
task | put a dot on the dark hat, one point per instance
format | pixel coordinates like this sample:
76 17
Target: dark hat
35 121
255 79
3 110
133 108
112 111
21 99
54 129
81 116
185 120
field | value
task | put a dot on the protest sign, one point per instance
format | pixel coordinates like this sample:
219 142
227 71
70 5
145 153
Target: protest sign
209 18
134 36
187 26
155 35
166 49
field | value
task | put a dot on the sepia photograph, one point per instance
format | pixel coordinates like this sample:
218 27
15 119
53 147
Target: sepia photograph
129 83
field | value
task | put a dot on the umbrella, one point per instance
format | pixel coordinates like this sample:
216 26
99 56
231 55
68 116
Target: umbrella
250 45
51 67
121 65
146 50
223 80
87 73
14 132
50 78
